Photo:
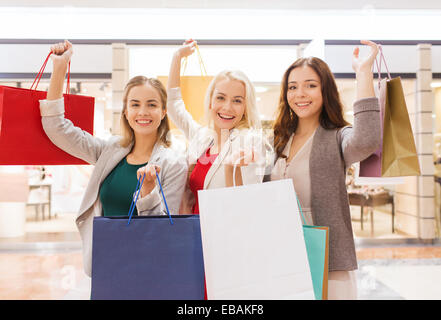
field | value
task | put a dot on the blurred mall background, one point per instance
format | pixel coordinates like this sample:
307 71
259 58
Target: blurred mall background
397 232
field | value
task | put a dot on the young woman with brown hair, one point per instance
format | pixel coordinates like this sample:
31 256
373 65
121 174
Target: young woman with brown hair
120 161
314 146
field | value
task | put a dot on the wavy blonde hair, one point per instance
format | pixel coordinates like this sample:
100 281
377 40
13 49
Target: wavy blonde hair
128 136
251 117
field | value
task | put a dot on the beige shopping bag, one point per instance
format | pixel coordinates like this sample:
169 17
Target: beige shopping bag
399 156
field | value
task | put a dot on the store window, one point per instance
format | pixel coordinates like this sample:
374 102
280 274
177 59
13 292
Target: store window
265 66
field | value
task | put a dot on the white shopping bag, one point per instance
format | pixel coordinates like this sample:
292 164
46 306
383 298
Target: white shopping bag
253 243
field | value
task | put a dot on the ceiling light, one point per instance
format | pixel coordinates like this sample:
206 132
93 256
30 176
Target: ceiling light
261 89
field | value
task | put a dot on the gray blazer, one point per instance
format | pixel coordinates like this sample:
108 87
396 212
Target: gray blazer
333 151
105 155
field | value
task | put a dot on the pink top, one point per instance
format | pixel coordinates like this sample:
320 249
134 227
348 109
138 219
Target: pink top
298 170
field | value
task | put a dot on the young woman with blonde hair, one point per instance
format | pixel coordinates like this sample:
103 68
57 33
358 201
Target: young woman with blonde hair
314 146
143 150
231 135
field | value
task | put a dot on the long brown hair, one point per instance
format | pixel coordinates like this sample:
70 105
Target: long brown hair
164 127
331 116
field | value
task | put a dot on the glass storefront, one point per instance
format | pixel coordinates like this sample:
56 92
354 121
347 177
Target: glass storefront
379 216
377 222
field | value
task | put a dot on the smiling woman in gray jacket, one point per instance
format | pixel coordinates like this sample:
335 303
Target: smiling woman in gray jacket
119 161
315 146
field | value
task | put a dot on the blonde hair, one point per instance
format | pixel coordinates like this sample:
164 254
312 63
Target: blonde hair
251 117
128 136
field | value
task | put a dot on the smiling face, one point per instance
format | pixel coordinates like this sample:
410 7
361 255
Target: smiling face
144 110
227 104
304 93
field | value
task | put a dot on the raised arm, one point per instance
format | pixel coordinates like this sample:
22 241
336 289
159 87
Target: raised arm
174 77
60 130
361 140
62 52
363 70
176 109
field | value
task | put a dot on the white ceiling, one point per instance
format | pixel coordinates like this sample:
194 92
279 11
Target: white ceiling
235 4
221 19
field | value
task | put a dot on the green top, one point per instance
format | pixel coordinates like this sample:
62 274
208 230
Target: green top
116 192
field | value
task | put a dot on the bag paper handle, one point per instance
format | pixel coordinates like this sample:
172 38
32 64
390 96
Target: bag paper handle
298 202
201 63
301 211
235 165
382 59
138 191
40 74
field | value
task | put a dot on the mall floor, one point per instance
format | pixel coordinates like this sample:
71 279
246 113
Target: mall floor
46 264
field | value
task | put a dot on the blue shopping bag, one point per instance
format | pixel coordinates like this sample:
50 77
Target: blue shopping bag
317 249
147 257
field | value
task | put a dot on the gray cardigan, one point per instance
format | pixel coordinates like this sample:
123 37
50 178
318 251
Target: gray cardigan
105 155
333 151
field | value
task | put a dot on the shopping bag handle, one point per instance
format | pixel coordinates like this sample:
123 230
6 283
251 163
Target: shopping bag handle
298 202
235 165
301 211
382 58
40 74
138 191
163 197
201 63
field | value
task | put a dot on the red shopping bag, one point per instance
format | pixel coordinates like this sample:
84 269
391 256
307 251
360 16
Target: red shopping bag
22 138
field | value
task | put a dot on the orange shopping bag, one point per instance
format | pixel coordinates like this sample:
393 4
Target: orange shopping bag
193 89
